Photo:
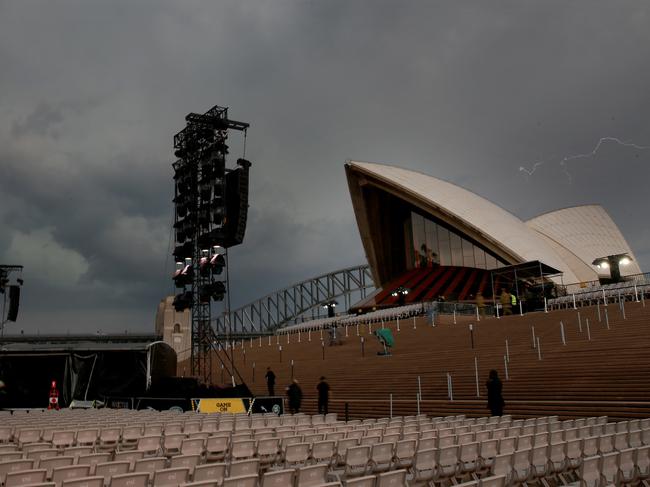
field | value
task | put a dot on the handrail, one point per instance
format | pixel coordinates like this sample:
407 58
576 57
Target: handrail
588 286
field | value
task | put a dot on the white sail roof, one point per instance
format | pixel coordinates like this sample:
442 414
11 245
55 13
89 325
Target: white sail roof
475 213
587 233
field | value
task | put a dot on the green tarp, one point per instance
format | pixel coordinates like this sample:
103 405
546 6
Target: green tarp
385 336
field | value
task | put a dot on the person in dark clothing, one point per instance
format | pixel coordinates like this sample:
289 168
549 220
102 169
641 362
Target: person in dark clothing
495 399
270 381
323 395
3 395
294 392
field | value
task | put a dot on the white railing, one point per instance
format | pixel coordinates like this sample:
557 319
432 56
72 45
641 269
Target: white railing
377 316
634 289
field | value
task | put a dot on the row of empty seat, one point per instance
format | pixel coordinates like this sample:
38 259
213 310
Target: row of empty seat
612 293
389 451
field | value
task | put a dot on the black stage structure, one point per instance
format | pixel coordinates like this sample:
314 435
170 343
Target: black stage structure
134 371
85 368
529 281
211 207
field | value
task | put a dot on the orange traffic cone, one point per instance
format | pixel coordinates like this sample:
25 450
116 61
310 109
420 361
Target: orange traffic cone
54 397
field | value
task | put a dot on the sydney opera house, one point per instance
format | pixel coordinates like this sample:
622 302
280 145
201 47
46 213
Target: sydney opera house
441 241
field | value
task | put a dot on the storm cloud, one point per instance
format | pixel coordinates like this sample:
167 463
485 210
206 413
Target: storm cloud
92 92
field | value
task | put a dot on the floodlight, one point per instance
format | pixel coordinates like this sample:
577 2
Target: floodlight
217 263
400 293
216 291
206 189
613 262
204 263
329 306
182 301
183 274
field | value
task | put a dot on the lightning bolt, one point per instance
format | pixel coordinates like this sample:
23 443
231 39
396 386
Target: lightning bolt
586 155
533 168
594 151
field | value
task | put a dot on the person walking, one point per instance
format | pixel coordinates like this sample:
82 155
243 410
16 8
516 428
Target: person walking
480 304
270 381
506 302
294 392
513 302
323 395
495 399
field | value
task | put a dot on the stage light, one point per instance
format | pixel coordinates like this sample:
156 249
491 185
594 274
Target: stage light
183 274
207 171
400 293
204 218
187 228
221 146
206 190
215 290
207 134
217 263
217 215
218 161
218 290
182 301
181 210
204 263
182 251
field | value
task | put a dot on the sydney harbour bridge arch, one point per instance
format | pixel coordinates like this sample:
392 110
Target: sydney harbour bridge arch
299 302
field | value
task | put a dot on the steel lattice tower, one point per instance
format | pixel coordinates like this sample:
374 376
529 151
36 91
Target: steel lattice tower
200 218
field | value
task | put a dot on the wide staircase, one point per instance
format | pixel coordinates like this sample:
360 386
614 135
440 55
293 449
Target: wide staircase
602 369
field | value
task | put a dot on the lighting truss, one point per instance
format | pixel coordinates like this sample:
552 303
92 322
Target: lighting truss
200 204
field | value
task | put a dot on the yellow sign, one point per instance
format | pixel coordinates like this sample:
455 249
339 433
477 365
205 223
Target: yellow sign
233 406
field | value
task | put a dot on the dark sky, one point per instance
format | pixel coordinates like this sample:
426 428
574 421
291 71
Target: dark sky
91 93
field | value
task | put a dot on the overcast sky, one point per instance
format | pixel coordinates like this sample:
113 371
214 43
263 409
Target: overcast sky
91 93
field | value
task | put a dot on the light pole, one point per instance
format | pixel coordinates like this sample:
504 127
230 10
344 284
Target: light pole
613 263
471 334
329 306
400 293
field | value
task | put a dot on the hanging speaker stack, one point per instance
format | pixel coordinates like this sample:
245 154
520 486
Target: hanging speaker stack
14 302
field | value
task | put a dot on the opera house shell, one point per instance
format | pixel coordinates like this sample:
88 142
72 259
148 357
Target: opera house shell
410 220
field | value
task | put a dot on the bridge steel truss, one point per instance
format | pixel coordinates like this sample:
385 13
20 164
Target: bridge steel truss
296 303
